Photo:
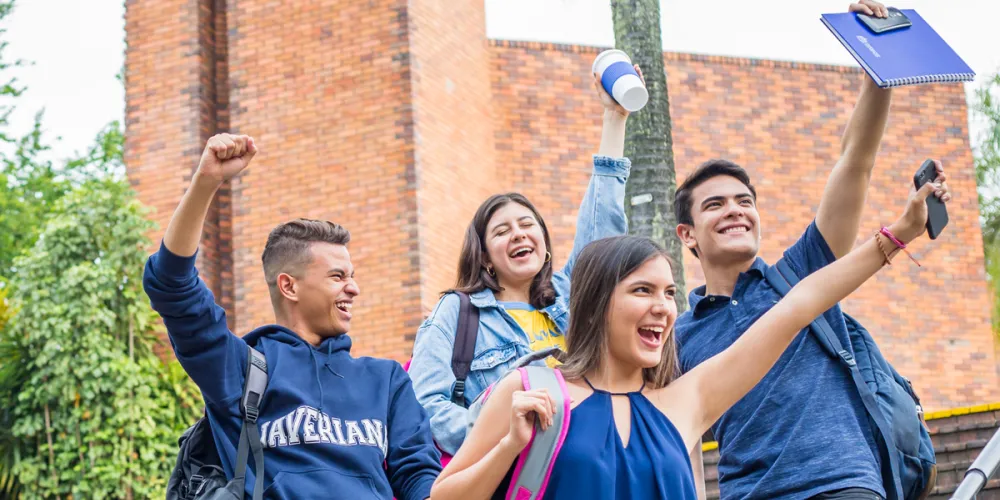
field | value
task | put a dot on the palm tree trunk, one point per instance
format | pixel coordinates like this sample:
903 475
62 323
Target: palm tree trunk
648 142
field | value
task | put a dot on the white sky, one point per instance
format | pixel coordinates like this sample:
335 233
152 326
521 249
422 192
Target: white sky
78 47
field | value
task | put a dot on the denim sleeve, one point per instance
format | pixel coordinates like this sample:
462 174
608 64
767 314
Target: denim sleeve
430 370
810 254
602 212
210 353
412 461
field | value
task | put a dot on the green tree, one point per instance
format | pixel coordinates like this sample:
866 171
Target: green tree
29 182
102 159
99 413
648 140
987 107
86 408
12 378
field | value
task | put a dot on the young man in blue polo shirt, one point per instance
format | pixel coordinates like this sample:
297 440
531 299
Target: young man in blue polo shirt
802 433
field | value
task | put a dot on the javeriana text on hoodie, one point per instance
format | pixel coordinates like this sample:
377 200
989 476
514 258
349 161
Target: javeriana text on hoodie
332 425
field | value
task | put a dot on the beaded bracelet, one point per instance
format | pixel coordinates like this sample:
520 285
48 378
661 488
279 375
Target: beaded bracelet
885 255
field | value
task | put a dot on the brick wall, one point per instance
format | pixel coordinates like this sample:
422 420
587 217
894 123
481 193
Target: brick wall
397 118
781 121
959 436
453 132
324 88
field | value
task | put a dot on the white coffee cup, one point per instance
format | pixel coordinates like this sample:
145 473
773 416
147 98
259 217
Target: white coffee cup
620 80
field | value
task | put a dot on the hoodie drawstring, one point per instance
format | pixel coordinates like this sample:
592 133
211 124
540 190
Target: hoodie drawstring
316 369
329 352
312 355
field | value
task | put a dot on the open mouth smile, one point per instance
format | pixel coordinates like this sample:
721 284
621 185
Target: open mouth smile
652 335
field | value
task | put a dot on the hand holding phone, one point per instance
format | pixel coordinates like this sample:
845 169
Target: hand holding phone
895 20
937 214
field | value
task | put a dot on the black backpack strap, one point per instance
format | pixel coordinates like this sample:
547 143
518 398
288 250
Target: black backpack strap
465 346
782 277
253 390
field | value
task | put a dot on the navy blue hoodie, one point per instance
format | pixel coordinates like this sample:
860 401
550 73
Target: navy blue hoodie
332 425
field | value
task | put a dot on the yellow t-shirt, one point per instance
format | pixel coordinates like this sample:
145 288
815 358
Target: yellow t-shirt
541 330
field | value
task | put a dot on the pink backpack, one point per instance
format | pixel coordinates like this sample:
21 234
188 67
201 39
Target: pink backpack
534 465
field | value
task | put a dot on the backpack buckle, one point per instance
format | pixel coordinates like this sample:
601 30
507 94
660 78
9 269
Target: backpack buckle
251 414
195 484
848 358
458 393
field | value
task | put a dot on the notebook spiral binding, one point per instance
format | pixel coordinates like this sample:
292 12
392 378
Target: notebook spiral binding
945 78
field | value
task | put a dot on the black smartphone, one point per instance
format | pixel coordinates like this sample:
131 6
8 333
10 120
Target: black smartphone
894 21
937 214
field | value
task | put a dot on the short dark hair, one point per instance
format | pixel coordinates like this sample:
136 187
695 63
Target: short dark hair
683 203
601 266
473 276
287 247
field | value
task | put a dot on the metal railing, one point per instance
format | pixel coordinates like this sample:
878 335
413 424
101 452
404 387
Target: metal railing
982 468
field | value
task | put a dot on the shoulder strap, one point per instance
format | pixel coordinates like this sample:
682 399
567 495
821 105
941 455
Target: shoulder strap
782 277
534 465
253 390
538 355
465 346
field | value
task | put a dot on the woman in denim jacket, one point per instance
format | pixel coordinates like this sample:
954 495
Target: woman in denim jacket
506 268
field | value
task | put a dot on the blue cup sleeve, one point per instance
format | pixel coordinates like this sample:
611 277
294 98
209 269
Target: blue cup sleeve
614 72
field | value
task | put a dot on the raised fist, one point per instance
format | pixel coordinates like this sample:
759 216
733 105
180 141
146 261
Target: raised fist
225 156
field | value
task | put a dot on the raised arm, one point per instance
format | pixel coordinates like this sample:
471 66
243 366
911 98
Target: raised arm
714 386
208 351
225 156
843 202
602 211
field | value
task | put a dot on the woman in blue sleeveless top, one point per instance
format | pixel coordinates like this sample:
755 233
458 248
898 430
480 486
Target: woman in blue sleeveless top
633 421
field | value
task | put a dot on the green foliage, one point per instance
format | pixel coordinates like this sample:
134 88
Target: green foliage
30 183
12 378
5 312
30 193
99 413
87 409
987 106
28 187
104 158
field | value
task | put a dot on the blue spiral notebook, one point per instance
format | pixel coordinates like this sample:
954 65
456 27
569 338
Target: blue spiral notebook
905 56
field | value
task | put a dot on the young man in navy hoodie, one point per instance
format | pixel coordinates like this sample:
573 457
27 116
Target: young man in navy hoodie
332 426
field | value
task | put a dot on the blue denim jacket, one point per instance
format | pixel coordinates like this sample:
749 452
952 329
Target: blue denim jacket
500 339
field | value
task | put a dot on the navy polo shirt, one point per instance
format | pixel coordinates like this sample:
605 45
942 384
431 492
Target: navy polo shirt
803 429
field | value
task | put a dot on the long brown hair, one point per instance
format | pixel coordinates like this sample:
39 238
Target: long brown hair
598 270
472 274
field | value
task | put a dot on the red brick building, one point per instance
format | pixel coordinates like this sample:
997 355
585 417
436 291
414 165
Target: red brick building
397 119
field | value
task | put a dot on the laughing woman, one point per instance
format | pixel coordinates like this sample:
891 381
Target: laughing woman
506 270
633 421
